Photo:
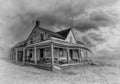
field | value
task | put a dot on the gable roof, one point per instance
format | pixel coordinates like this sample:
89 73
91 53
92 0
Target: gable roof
64 32
54 34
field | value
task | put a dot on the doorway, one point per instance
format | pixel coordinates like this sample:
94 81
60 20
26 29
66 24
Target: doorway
20 56
71 54
41 53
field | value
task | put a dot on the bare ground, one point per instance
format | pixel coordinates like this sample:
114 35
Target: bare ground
15 74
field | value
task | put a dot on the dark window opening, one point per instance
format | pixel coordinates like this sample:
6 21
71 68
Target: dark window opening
31 41
42 37
61 52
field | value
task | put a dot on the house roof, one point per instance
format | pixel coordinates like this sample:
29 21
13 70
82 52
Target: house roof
20 44
61 34
64 33
54 34
79 42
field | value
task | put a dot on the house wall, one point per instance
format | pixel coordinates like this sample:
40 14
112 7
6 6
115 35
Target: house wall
47 53
36 36
70 38
56 53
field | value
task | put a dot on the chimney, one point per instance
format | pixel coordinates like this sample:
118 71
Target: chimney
37 23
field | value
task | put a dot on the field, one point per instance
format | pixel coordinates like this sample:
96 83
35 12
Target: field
14 74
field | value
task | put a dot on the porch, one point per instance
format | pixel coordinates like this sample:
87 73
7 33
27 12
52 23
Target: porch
50 54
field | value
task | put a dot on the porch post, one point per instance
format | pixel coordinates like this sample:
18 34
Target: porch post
52 54
35 56
16 55
23 54
38 53
82 55
68 55
79 54
86 55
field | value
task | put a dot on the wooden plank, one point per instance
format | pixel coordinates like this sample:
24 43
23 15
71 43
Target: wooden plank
82 55
42 46
70 64
60 47
79 51
52 54
35 55
68 55
23 54
42 43
86 55
16 55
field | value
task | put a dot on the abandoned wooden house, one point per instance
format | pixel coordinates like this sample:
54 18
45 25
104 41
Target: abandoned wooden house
50 49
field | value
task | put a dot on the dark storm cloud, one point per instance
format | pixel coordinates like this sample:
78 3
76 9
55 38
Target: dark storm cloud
99 16
96 37
21 13
17 19
95 19
87 41
86 26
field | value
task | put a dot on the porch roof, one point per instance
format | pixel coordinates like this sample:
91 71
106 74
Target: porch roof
59 43
43 43
20 44
70 45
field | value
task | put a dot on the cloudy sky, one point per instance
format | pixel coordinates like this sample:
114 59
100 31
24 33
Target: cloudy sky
97 20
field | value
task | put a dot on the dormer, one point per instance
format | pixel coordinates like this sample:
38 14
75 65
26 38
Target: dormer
68 35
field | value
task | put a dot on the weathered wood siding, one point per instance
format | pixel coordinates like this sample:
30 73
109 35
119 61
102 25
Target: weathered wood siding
38 35
70 38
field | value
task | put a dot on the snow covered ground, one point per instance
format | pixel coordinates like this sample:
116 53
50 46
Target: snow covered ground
14 74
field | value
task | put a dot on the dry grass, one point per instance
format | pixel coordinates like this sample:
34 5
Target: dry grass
14 74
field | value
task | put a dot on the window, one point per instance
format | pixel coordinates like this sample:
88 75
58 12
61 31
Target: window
61 52
42 37
31 41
